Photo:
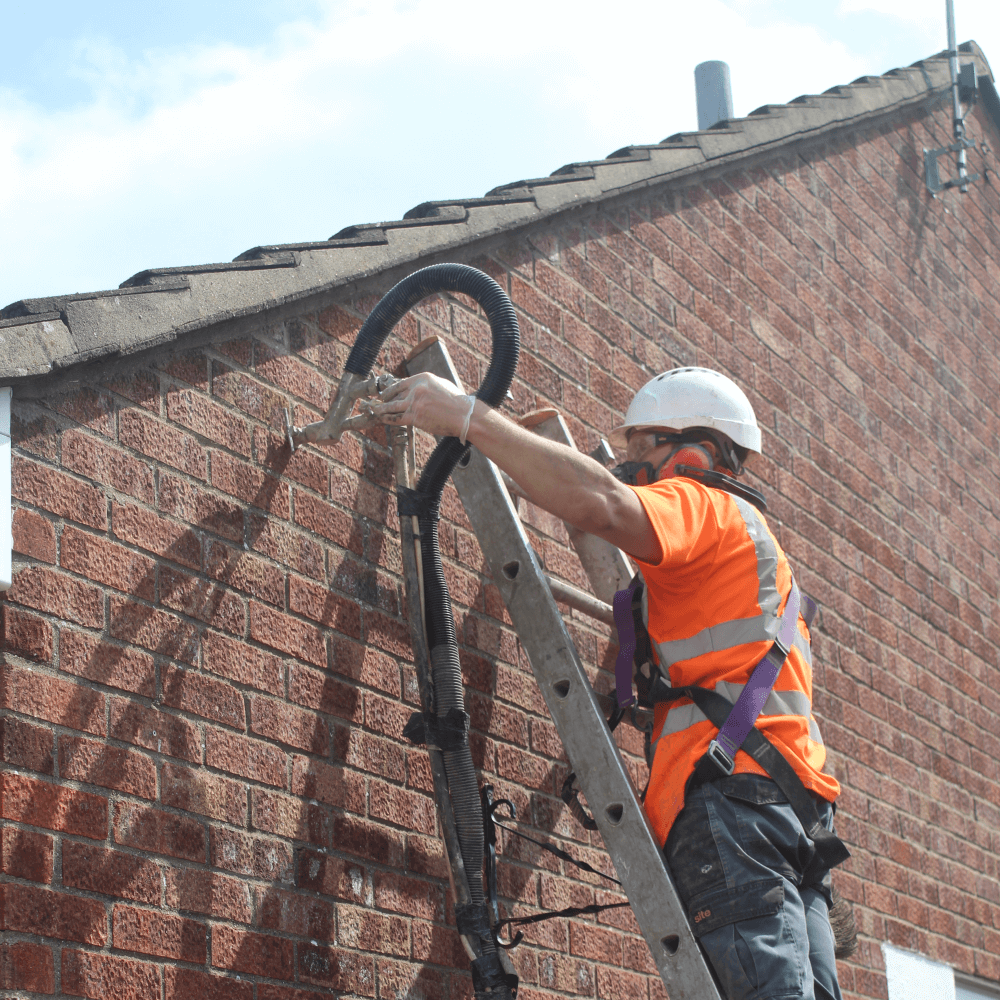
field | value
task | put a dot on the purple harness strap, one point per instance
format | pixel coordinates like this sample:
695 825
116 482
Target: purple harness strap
722 750
626 645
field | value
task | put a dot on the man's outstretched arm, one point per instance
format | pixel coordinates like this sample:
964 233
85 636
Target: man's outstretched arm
557 478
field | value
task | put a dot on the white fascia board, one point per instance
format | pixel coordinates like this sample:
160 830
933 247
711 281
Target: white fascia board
910 976
6 537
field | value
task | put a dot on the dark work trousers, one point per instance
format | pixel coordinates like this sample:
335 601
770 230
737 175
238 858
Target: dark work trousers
745 871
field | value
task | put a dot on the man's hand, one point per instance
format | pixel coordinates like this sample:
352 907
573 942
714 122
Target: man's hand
557 478
425 401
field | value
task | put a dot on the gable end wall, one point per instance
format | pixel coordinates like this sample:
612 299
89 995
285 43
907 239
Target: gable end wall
205 789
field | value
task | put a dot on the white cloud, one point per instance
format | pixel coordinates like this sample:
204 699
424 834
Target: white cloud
974 19
192 155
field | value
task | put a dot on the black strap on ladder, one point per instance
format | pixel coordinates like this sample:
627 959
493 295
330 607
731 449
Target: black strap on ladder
490 805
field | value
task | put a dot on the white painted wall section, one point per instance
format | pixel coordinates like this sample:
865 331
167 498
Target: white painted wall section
6 538
913 977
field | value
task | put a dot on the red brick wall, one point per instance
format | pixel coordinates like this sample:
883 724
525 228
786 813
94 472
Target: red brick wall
205 788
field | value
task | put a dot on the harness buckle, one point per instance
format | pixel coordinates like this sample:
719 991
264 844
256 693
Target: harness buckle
720 758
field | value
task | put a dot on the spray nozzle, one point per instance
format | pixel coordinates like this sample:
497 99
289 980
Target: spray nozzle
338 418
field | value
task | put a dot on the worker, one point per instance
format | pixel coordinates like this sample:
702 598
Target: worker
717 583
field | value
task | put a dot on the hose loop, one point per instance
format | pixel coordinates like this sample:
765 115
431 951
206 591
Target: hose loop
492 976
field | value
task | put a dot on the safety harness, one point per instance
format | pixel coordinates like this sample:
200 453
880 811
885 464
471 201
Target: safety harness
735 721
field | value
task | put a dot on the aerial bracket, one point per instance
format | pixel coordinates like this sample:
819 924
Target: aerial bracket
932 171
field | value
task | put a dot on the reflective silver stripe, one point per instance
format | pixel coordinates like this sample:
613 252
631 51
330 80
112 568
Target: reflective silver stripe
761 628
801 643
793 703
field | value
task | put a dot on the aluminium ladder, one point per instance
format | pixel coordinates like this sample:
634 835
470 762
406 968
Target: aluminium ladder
572 701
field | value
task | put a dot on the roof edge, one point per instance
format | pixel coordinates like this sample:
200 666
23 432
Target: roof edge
159 305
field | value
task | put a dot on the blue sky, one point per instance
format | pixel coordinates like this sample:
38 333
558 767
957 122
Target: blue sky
184 133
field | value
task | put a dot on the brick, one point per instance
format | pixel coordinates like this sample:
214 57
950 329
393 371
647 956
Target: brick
140 387
329 521
316 689
267 991
319 604
153 933
154 630
159 832
183 984
161 442
401 807
248 484
247 758
256 954
336 786
303 466
153 730
331 876
367 930
242 663
27 855
26 634
190 691
283 723
248 395
156 534
194 890
187 502
40 803
114 666
35 432
198 413
288 372
288 547
408 896
34 536
282 632
243 571
371 754
197 598
108 977
50 914
108 766
105 562
59 595
110 873
289 817
292 913
364 839
410 979
92 409
26 966
259 857
47 489
337 969
25 746
193 790
106 464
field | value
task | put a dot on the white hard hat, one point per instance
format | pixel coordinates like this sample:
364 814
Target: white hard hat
693 397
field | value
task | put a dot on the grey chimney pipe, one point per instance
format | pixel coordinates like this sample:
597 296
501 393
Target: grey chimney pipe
714 92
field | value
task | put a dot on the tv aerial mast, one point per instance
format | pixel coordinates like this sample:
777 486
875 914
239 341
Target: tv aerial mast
964 89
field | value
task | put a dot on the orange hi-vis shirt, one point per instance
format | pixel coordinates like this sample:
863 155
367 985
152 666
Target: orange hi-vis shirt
714 604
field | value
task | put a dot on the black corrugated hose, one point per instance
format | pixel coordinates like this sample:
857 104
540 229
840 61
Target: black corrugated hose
490 980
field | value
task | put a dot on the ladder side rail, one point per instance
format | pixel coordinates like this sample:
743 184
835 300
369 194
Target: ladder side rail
607 567
573 705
